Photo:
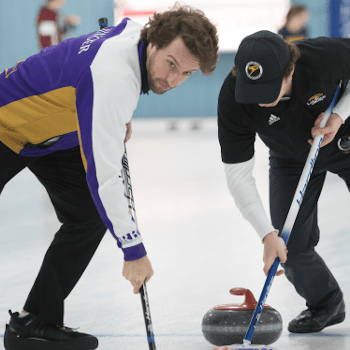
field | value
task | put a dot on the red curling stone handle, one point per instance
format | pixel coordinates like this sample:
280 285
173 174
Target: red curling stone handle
249 302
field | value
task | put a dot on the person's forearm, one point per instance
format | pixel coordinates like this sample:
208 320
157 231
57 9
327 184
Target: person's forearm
242 186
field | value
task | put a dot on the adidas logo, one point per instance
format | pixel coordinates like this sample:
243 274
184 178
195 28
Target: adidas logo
273 119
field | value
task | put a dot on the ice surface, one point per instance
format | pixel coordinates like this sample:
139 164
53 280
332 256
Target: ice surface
198 243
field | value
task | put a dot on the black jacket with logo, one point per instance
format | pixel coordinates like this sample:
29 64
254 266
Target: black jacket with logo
286 128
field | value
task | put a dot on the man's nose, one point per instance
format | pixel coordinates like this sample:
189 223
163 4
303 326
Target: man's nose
173 80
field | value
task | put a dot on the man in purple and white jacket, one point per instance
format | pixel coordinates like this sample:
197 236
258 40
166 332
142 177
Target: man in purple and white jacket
65 114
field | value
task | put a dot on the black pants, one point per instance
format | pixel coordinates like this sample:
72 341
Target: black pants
63 175
305 269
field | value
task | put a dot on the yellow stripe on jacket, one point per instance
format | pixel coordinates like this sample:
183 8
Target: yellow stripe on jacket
38 118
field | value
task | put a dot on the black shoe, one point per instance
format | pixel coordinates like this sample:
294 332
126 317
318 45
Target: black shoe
28 333
315 319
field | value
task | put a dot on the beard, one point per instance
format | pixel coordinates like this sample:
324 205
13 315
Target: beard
156 88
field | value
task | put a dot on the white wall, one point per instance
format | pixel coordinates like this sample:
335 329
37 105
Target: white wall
234 19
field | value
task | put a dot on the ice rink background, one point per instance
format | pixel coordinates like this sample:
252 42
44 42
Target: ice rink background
196 239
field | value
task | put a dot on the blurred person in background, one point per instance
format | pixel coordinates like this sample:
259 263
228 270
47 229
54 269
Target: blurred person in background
65 115
51 25
295 27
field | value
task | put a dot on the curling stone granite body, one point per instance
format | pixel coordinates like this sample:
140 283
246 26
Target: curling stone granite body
228 324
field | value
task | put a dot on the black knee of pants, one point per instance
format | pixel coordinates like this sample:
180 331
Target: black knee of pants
65 261
312 279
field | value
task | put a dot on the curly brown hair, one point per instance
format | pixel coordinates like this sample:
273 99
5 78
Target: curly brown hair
197 32
294 56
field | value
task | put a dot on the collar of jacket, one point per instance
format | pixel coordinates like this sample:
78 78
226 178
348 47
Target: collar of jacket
143 58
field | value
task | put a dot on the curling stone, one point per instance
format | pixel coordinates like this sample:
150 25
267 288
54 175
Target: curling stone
228 324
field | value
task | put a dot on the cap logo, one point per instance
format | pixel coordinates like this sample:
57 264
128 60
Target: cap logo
253 70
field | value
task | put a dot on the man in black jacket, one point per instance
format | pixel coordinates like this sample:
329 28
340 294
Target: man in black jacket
279 91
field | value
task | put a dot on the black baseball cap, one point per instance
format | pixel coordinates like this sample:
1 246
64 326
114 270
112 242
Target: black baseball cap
261 60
